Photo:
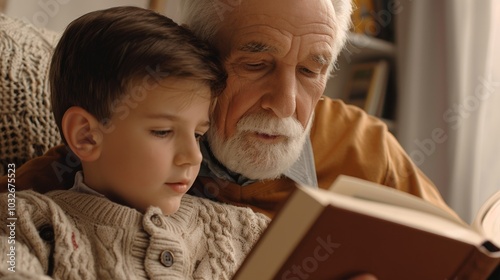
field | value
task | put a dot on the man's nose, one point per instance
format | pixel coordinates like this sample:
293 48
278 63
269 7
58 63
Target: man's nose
282 92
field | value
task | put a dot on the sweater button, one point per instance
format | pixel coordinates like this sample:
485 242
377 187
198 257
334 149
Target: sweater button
156 220
167 258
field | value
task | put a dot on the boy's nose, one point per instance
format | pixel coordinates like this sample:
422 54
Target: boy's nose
188 152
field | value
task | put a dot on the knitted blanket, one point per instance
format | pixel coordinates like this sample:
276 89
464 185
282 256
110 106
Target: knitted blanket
27 126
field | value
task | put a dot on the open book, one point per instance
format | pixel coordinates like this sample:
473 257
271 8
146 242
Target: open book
360 227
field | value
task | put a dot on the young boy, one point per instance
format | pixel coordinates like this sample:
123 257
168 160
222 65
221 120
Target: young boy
131 95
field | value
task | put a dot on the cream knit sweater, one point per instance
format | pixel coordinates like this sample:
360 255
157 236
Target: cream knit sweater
71 235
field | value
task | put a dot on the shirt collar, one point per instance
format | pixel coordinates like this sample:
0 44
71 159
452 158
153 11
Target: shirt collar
302 172
79 186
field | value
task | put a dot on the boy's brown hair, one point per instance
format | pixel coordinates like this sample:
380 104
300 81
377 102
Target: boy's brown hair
103 53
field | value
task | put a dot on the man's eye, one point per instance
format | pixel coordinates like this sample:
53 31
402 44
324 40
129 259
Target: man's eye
255 66
160 133
308 71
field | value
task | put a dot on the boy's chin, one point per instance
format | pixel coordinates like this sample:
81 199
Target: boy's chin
170 207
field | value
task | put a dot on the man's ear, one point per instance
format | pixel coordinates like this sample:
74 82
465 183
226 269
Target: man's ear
82 133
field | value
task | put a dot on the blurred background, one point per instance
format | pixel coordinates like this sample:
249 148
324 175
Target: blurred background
57 14
429 69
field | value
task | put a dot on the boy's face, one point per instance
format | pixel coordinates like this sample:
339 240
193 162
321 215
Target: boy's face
150 151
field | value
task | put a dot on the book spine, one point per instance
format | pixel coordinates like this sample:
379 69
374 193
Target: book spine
479 265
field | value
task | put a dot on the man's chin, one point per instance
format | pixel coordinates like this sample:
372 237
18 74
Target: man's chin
254 159
264 163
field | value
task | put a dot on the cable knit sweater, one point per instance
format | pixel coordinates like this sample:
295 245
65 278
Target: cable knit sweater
71 235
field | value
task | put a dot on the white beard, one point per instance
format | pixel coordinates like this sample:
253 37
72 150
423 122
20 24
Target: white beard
257 160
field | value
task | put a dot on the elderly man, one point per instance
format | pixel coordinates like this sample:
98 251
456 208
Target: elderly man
272 128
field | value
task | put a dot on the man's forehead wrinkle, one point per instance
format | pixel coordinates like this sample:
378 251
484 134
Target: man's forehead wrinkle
256 47
310 28
272 32
319 56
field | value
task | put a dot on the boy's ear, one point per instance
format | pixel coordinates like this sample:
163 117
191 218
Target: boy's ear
82 133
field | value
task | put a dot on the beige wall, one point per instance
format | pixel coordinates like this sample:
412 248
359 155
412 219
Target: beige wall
57 14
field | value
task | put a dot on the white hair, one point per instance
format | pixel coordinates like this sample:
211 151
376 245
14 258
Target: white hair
204 17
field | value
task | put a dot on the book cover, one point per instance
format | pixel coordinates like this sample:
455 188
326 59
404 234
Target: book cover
365 228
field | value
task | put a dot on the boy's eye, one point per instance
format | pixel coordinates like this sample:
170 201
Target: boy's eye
198 137
160 133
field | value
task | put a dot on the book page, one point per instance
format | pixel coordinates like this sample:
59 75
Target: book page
487 219
359 188
417 219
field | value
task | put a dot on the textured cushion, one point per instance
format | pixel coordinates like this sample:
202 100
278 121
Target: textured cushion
27 126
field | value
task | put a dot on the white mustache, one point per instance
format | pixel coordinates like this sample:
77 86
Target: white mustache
265 124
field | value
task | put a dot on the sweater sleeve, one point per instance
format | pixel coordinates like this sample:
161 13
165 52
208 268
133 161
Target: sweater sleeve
348 141
46 237
18 263
24 254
